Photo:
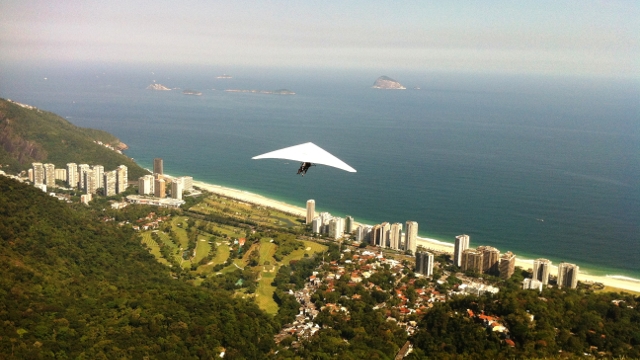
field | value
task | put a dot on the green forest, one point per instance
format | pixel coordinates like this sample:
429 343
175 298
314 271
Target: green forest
33 135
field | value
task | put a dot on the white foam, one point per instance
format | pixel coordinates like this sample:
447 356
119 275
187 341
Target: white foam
625 278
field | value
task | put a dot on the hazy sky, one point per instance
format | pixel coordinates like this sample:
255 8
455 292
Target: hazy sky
565 37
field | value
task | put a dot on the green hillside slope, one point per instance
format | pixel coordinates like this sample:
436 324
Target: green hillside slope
72 286
32 135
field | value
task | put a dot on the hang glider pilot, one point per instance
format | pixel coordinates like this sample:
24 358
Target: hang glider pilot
304 167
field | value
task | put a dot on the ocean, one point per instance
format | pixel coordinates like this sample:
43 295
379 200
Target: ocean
543 166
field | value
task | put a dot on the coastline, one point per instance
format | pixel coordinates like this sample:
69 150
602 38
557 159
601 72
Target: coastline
620 282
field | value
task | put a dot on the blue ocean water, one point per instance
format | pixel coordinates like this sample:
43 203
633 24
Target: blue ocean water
542 166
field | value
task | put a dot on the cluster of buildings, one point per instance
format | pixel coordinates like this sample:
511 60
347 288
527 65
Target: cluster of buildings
483 259
83 176
161 190
326 224
567 275
384 235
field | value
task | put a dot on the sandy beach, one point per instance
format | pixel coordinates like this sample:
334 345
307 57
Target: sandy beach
430 244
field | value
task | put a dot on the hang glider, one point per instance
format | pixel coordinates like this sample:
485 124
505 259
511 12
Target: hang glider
309 154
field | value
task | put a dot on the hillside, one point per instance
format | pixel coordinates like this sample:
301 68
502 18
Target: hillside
73 286
28 134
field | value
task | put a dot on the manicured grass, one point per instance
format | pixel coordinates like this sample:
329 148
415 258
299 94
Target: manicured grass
180 231
267 249
299 254
153 247
264 293
202 248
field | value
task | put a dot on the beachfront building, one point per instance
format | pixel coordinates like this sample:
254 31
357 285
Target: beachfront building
375 235
311 211
541 269
411 236
49 175
348 224
158 166
159 188
72 175
109 183
424 263
363 233
568 275
82 169
385 228
507 265
122 178
395 236
61 174
187 182
98 171
461 244
176 188
145 185
336 228
490 259
472 260
38 173
316 225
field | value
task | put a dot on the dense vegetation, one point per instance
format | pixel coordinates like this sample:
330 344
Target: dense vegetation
32 135
73 286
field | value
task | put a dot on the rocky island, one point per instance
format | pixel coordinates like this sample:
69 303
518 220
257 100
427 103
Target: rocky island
157 87
269 92
385 82
191 92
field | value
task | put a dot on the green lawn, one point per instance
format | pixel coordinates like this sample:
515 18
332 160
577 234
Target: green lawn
180 231
264 293
299 254
202 248
153 247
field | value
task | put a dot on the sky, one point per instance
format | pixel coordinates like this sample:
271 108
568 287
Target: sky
599 38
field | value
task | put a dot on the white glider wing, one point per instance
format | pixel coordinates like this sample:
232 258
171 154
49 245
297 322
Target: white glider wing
308 152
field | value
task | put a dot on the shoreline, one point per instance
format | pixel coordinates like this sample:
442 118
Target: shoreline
616 281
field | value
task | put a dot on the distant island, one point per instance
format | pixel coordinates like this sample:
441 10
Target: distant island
224 76
157 87
387 83
269 92
191 92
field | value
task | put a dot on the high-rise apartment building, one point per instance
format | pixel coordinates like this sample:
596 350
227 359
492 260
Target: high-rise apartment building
507 265
411 237
176 188
568 275
491 259
187 183
348 224
424 263
472 260
461 244
109 183
90 181
541 269
159 188
375 235
49 175
316 225
158 166
38 173
72 175
363 233
311 211
145 185
395 236
336 228
385 228
122 178
82 169
61 174
98 171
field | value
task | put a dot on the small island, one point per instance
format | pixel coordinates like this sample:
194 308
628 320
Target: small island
156 86
387 83
191 92
268 92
